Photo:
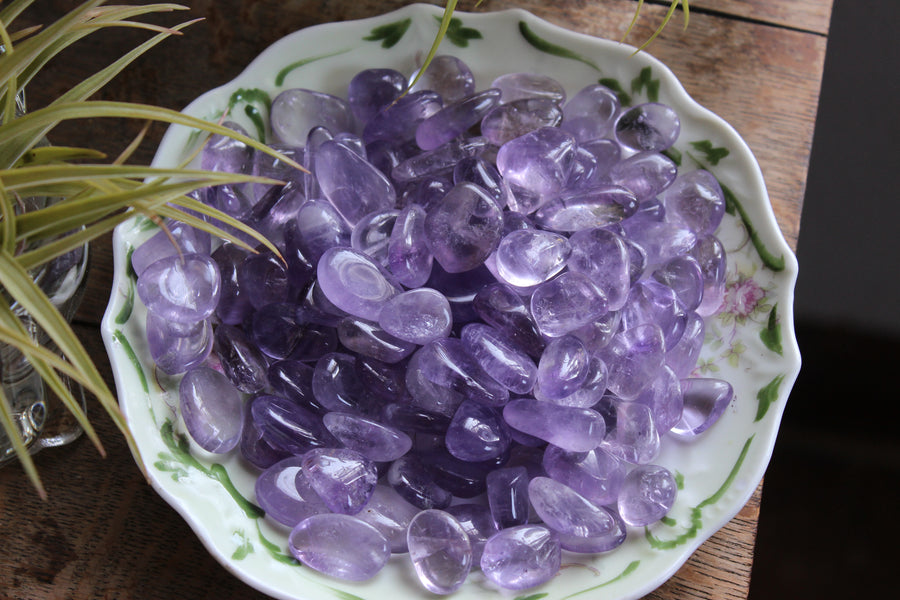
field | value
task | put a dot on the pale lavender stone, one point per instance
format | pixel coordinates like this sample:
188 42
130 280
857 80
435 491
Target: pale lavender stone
277 328
355 283
369 339
648 493
447 363
224 153
212 410
183 289
614 538
440 551
682 358
289 427
463 228
599 206
696 201
476 433
684 276
538 162
439 161
385 155
665 399
484 174
390 514
428 190
650 302
340 546
646 174
419 316
606 152
500 357
528 257
426 394
563 368
409 258
275 210
705 401
519 86
448 76
241 361
589 392
372 90
500 306
590 114
455 119
603 256
187 239
301 267
478 523
415 484
399 121
372 235
317 136
583 173
650 127
352 184
295 112
177 348
344 479
660 241
507 492
635 438
573 516
634 357
597 475
284 493
566 303
521 557
710 254
597 334
518 117
570 428
637 258
370 438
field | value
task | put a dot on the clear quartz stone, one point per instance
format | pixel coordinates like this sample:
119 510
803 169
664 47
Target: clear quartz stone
440 551
648 493
528 257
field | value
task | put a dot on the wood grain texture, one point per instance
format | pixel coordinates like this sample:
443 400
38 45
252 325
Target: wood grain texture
808 15
105 533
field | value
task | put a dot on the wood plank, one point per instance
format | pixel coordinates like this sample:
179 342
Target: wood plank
808 15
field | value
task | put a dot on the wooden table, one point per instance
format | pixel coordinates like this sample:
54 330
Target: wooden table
104 533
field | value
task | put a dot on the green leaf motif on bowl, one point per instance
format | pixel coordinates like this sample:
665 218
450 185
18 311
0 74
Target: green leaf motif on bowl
771 334
550 48
458 34
279 78
767 396
614 85
628 570
252 99
713 154
644 81
390 33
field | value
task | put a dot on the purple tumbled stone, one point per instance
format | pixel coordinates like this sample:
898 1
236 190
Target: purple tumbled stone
439 161
295 112
650 302
476 433
188 239
645 174
606 153
650 127
478 523
682 358
440 551
370 438
319 226
589 392
705 401
573 516
635 438
590 113
288 426
354 283
484 174
455 118
212 410
500 357
340 546
277 328
710 254
518 117
648 493
415 483
177 348
390 514
292 379
665 399
597 334
284 493
428 190
538 162
634 356
372 234
500 306
462 478
183 289
563 368
460 289
335 384
254 447
518 86
587 208
569 427
696 201
316 340
416 420
597 475
602 256
507 492
566 303
521 557
448 76
409 258
419 316
426 394
369 339
263 278
384 380
372 90
344 479
398 122
528 257
233 305
352 184
683 275
241 360
660 241
463 228
447 363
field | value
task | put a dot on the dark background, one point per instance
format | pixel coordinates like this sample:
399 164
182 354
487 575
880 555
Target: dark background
828 525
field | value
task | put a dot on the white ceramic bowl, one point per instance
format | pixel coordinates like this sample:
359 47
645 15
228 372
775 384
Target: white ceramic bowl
759 356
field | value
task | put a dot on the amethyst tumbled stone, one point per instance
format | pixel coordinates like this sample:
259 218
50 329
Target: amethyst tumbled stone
566 303
571 428
521 557
500 357
344 479
476 433
355 283
177 348
371 90
419 316
353 185
183 289
283 491
340 546
648 493
463 228
507 492
370 438
650 127
705 401
527 257
597 475
440 551
448 76
212 410
295 112
455 119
